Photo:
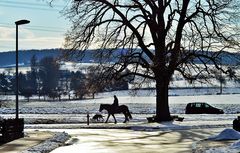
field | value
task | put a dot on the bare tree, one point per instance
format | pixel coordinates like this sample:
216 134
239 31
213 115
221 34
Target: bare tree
49 76
94 81
155 38
77 84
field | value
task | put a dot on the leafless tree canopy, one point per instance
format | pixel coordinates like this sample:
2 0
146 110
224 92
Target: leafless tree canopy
159 35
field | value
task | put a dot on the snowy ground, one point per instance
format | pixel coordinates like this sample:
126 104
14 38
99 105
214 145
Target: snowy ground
141 105
142 141
72 114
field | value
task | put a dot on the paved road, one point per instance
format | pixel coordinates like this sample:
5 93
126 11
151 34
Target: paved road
132 141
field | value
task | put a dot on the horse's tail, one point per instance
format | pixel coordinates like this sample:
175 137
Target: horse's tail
129 114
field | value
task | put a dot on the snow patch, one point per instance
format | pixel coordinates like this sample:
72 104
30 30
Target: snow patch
50 144
226 134
221 150
233 148
235 145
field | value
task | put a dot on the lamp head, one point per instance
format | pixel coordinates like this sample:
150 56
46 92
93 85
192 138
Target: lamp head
19 22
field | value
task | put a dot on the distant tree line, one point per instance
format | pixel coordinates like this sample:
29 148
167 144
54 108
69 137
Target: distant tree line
47 80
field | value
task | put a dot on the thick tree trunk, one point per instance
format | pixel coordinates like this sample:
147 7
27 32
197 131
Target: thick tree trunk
162 106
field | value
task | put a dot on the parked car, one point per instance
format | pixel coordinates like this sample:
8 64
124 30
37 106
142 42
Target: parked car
202 108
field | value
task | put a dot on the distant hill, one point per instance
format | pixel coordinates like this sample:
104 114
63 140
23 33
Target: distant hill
226 58
8 59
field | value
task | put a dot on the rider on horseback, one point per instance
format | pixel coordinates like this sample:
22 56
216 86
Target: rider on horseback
116 109
115 103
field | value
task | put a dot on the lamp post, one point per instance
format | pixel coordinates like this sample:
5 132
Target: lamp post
19 22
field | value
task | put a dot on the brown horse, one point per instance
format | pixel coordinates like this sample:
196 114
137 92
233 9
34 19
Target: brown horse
112 110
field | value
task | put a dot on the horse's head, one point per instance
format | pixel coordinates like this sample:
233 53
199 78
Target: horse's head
100 108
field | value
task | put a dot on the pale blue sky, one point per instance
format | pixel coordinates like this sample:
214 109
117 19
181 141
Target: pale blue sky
46 29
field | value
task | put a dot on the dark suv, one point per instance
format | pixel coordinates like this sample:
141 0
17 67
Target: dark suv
201 108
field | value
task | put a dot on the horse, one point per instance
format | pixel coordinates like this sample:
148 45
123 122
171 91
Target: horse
112 110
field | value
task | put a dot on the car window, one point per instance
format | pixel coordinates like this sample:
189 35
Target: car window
198 105
207 106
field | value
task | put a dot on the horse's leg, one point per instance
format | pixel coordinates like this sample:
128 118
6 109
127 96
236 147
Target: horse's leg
107 118
126 118
114 119
128 113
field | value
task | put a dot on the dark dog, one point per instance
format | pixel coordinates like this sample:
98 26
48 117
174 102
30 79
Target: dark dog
97 117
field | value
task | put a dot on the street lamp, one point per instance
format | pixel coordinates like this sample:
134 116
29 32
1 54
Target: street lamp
19 22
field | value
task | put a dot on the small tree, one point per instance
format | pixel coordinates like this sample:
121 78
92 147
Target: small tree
64 84
25 88
32 76
77 84
94 82
13 84
4 83
49 76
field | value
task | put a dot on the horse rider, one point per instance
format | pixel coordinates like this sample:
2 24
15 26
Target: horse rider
115 102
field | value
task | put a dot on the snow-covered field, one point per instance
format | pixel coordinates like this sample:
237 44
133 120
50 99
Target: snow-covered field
72 115
141 104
